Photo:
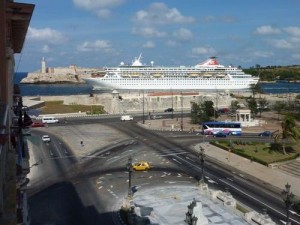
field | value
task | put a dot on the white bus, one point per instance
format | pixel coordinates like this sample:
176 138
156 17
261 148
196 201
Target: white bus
229 128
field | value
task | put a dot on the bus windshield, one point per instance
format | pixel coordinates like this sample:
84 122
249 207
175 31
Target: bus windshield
230 128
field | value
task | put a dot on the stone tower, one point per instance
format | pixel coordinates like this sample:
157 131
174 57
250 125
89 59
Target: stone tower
43 69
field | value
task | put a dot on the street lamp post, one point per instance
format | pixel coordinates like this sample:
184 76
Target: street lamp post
172 105
181 123
129 168
287 197
143 106
202 156
190 219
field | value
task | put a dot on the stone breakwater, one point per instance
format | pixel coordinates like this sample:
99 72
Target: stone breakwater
53 78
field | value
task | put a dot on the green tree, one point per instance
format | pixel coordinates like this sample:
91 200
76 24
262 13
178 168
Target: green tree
279 106
208 107
195 113
252 105
262 105
289 132
202 112
234 106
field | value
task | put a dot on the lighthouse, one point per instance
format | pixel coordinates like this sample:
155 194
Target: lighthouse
43 69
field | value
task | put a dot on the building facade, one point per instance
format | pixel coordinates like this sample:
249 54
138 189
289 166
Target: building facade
14 158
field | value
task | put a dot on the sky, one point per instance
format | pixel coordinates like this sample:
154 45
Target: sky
98 33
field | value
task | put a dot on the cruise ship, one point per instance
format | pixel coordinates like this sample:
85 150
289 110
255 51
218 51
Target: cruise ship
208 75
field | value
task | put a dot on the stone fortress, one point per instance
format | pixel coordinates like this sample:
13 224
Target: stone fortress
70 74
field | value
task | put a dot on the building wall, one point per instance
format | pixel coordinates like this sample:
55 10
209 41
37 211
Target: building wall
11 42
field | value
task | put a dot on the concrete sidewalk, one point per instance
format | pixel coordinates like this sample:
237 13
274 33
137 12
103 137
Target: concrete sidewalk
269 176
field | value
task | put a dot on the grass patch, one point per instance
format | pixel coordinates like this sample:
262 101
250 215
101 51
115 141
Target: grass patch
259 152
52 107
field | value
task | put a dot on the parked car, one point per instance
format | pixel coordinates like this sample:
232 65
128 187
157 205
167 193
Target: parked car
46 138
169 110
37 124
126 117
141 166
265 134
220 134
154 117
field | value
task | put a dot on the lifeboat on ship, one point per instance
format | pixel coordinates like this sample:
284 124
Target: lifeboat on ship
156 75
220 75
206 75
193 74
135 75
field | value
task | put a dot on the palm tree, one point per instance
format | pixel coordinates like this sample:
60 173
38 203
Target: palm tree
289 131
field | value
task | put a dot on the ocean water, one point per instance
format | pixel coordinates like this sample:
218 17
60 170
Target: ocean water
76 89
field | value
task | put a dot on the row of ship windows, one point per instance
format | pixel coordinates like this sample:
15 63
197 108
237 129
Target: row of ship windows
183 82
164 70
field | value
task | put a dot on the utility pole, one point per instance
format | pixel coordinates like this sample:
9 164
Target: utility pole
129 168
181 123
202 156
172 104
287 197
143 107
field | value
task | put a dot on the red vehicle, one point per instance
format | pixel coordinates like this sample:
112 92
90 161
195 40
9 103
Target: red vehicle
37 124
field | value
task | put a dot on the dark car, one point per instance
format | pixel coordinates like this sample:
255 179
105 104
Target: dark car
169 110
265 134
220 134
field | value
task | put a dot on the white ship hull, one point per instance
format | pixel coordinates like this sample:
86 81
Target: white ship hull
167 84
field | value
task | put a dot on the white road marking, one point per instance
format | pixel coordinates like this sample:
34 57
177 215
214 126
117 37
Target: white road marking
100 187
180 153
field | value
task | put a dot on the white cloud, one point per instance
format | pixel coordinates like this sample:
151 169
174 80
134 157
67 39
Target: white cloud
46 34
227 19
45 49
183 34
204 51
98 45
295 40
149 44
296 56
159 13
281 44
295 31
262 54
103 13
267 29
172 43
100 7
148 32
208 19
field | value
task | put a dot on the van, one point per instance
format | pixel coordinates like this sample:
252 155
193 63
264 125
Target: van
49 119
126 117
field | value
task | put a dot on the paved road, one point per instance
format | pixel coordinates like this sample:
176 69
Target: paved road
93 142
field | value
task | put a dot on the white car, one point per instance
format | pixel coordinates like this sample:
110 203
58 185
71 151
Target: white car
126 117
46 138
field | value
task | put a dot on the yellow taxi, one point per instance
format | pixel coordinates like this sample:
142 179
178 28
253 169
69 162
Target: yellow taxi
141 166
